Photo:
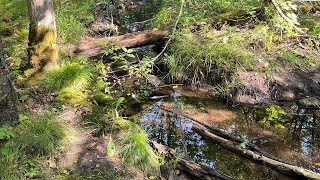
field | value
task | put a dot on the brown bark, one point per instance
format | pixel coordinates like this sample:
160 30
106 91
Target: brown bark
93 46
8 97
280 166
189 167
42 48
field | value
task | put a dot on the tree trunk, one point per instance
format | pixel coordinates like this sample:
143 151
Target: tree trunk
8 98
42 50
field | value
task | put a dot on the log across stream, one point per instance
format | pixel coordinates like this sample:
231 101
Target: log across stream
179 133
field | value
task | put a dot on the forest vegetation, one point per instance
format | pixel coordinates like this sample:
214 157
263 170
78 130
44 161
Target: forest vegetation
159 89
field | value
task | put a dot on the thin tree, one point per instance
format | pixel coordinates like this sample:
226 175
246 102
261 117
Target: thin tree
42 50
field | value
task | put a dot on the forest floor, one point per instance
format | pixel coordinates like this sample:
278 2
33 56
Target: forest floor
84 154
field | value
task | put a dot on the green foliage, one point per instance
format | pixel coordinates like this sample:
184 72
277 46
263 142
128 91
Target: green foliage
72 16
208 11
198 55
274 114
71 80
34 137
69 74
6 133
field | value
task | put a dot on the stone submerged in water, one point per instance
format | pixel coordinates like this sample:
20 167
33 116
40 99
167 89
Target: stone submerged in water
311 102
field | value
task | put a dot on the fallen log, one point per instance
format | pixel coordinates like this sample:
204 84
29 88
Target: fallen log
189 167
280 166
93 46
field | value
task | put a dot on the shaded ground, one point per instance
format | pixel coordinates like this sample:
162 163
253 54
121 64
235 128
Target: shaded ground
290 85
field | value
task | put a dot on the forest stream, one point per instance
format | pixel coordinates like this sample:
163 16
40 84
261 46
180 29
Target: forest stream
169 120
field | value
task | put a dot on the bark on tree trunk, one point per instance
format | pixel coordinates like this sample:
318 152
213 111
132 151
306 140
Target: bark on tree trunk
8 98
42 50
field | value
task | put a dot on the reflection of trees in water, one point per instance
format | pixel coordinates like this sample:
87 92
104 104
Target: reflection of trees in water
175 132
303 131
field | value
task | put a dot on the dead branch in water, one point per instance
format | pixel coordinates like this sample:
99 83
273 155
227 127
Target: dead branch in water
280 166
189 167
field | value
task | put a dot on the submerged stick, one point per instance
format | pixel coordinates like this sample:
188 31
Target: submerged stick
280 166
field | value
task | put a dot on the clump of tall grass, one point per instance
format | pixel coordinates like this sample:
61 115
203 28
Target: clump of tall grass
36 136
72 16
71 80
202 56
136 151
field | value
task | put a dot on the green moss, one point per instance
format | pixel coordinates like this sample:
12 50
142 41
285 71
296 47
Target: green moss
43 52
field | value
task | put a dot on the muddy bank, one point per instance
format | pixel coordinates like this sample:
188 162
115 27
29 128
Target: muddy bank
289 86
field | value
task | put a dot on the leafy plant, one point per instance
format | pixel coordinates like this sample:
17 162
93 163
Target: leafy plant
274 114
6 132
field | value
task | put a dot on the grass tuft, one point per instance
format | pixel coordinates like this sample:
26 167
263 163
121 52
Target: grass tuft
136 151
36 136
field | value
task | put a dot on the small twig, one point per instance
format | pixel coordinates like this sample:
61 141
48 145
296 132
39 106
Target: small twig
141 22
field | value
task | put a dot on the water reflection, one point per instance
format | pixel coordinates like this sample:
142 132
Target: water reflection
176 132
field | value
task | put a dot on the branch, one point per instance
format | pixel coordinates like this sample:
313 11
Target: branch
299 30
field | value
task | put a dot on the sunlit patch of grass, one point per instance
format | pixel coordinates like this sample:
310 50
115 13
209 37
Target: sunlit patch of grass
71 80
36 136
135 149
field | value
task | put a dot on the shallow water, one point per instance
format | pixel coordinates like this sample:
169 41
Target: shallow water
175 131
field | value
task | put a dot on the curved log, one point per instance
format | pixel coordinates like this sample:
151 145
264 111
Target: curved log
227 136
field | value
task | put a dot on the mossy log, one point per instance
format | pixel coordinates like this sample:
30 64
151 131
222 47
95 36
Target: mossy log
8 97
280 166
189 167
93 46
42 48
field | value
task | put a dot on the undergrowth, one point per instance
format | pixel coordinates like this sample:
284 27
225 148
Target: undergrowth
135 149
35 137
217 39
72 17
